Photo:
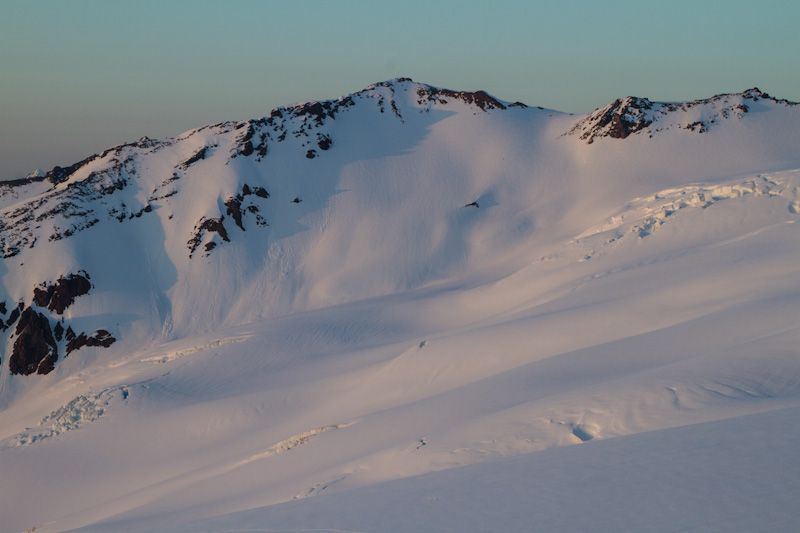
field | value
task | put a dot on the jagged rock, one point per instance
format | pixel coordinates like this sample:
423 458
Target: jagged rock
59 174
35 349
200 154
3 308
478 98
62 293
698 126
13 317
207 224
627 116
324 141
24 181
234 205
100 338
315 110
234 209
66 209
311 154
58 331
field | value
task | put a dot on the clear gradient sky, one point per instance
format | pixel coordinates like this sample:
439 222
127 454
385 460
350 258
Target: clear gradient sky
79 76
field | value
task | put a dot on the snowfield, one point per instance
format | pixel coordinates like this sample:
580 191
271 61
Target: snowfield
435 310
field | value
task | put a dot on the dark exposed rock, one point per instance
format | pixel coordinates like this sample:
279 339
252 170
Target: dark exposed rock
311 154
324 141
698 126
617 120
70 333
200 154
215 224
58 331
622 127
3 308
473 204
249 133
478 98
100 338
296 200
13 317
76 343
59 174
631 115
626 117
35 348
247 148
67 209
207 224
315 110
234 209
24 181
62 293
311 113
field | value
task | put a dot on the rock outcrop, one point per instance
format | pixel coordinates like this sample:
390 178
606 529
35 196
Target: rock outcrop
35 348
60 295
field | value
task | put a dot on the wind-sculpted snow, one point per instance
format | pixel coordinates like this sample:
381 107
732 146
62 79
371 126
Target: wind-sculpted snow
171 356
290 443
408 281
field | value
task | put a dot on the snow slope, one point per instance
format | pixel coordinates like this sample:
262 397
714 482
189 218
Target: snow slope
410 281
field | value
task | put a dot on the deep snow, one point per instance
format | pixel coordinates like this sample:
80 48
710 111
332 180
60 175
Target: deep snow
418 362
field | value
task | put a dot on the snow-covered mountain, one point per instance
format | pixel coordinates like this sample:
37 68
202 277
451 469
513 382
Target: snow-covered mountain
402 281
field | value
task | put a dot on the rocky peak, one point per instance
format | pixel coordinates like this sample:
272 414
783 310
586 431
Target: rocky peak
631 115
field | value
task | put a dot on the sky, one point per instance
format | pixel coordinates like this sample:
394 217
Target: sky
81 76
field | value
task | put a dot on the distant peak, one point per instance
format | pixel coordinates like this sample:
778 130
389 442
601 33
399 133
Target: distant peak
631 115
754 91
618 120
390 83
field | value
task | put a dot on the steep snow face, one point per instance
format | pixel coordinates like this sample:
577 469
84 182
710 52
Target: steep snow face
321 203
230 220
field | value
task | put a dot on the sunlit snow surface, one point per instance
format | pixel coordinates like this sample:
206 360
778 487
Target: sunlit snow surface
609 341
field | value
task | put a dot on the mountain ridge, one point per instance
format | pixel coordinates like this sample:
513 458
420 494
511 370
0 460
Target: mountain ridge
145 180
404 281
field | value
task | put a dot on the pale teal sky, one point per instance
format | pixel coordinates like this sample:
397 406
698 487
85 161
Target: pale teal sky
80 76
